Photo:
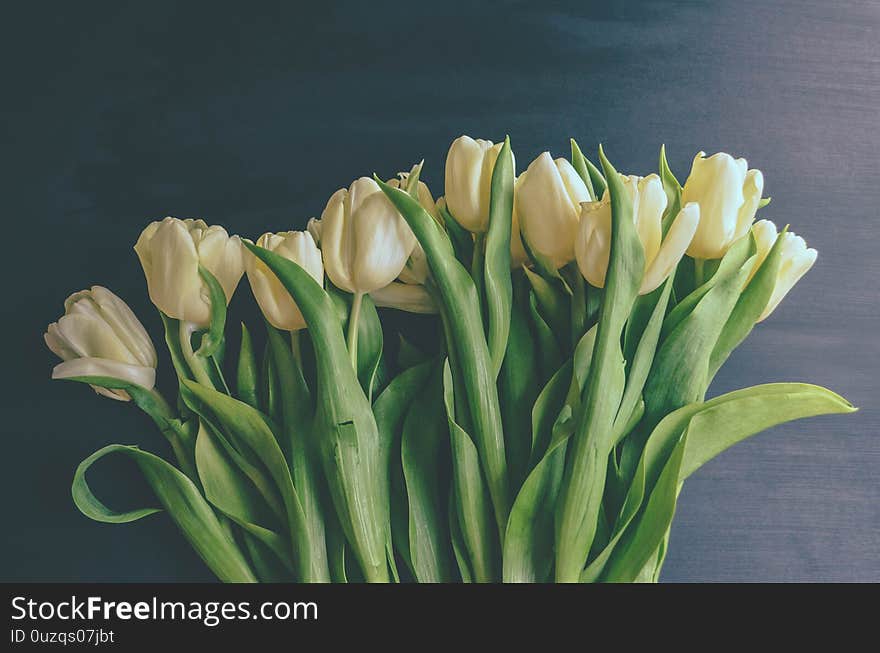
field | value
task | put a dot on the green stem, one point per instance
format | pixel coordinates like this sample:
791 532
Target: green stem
353 318
159 410
699 272
477 265
196 365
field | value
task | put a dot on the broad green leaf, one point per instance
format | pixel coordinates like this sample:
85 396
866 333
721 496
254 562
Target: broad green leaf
184 504
528 541
712 427
462 310
390 409
550 354
254 441
731 418
628 511
370 347
458 546
640 543
470 497
348 437
679 373
546 409
270 392
643 355
247 374
336 549
578 323
749 307
731 264
231 492
518 385
590 446
498 286
299 444
462 240
424 454
266 565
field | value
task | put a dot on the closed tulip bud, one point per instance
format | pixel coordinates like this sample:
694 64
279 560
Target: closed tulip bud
593 243
795 260
548 198
728 194
171 252
274 300
99 336
469 167
365 241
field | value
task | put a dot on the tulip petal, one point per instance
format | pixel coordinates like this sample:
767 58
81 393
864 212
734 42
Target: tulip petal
677 240
139 375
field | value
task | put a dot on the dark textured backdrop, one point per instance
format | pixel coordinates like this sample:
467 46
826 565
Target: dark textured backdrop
117 115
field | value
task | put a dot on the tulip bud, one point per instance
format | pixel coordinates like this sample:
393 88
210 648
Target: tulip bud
171 251
274 300
728 194
99 335
593 242
469 167
548 197
365 241
796 258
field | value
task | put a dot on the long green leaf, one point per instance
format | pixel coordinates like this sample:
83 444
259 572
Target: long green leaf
462 309
347 431
748 307
470 496
183 502
390 410
247 374
499 288
712 427
297 412
254 441
584 478
528 542
424 454
227 489
518 385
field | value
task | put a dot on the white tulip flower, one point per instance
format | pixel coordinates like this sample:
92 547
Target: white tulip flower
548 196
796 260
728 194
593 243
170 252
274 300
469 167
100 336
365 241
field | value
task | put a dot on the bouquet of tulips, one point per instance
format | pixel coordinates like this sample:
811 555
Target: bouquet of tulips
535 424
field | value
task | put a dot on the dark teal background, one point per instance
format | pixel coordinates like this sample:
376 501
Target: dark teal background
115 114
